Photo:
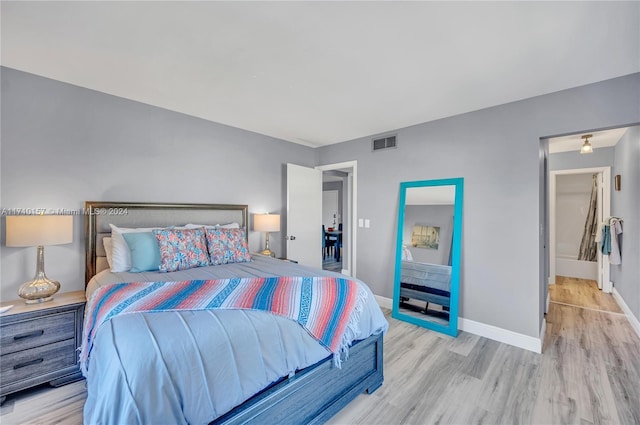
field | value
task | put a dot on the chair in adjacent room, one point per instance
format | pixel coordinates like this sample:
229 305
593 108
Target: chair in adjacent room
328 243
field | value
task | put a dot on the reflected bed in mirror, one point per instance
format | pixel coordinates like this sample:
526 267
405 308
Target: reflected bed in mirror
427 275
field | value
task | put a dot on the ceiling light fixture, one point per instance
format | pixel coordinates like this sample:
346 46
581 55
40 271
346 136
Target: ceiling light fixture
586 146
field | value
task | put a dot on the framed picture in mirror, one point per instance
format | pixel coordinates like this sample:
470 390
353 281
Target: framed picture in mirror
427 237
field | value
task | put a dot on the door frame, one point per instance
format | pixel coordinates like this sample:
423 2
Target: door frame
604 280
351 167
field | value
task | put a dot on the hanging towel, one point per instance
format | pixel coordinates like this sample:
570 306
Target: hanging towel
615 256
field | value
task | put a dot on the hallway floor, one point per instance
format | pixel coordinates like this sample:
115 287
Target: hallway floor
582 293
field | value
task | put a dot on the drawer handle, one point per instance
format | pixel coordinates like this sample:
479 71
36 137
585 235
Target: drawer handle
28 335
29 363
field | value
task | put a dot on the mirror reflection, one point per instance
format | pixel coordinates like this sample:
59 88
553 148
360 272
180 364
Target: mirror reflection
426 283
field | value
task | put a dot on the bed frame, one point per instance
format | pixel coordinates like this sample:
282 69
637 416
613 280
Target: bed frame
310 396
426 282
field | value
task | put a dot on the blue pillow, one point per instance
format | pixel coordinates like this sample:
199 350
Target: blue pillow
145 254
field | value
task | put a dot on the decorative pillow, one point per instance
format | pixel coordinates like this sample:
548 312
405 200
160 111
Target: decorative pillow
145 254
107 249
181 249
120 254
227 246
207 226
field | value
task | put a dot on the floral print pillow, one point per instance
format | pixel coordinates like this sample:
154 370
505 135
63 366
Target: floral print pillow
227 246
181 249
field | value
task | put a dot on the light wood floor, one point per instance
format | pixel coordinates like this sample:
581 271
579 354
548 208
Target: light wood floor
582 293
589 374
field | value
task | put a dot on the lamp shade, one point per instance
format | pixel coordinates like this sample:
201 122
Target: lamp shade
266 222
36 230
586 147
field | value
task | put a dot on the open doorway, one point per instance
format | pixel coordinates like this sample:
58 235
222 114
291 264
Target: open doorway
339 248
579 203
334 184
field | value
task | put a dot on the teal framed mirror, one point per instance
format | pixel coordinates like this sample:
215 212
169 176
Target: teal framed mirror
428 249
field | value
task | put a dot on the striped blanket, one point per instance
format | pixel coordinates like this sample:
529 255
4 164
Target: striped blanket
327 307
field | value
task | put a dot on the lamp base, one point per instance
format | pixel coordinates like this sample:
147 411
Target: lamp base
39 300
38 290
268 252
41 288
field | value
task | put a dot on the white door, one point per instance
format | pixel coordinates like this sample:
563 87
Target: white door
304 215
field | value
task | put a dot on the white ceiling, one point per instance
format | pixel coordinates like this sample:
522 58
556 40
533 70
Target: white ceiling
318 73
600 139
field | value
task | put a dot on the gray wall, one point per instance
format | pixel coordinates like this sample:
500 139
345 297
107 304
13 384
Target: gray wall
601 157
62 145
497 151
430 215
626 205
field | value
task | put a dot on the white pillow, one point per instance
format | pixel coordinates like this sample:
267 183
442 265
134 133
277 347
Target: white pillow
120 254
107 249
223 226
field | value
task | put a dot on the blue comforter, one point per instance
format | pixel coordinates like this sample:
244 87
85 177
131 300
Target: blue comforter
192 366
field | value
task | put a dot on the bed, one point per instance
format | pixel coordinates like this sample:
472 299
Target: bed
222 366
426 282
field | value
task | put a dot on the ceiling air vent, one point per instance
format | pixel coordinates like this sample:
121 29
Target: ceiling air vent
384 143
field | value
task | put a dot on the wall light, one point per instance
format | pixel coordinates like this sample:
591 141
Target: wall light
586 146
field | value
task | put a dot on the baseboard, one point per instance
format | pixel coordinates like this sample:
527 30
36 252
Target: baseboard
501 335
633 320
551 280
384 301
488 331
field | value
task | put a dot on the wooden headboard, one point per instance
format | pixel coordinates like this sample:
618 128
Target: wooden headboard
130 214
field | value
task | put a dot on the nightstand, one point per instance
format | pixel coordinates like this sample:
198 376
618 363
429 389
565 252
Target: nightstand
39 342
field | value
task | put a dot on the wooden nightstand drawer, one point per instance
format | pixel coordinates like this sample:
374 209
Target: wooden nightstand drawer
37 361
38 342
37 332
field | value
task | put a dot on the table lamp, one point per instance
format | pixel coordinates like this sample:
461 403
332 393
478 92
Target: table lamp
266 223
39 230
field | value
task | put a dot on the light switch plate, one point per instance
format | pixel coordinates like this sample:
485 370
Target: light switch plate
360 222
367 223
